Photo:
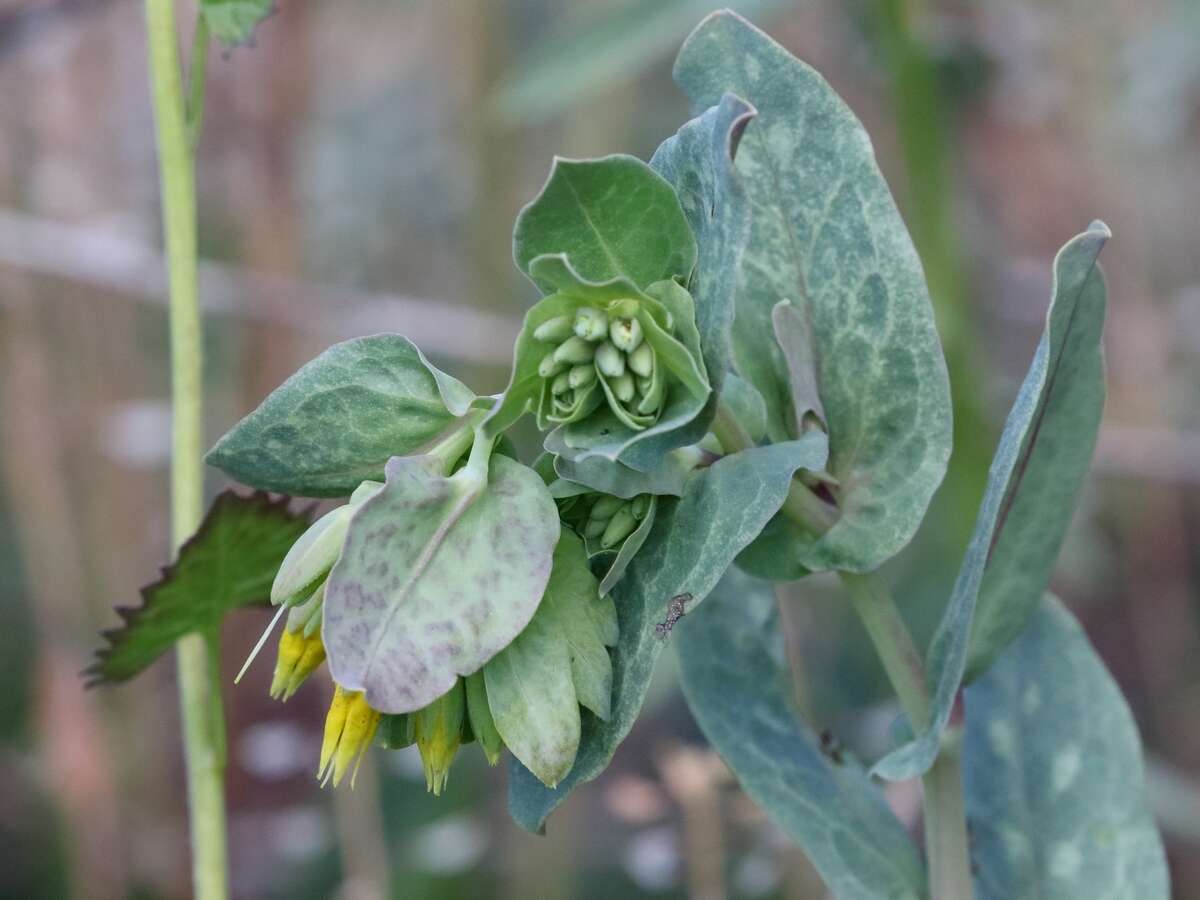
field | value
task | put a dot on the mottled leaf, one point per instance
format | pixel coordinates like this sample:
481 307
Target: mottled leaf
826 234
1053 774
612 217
228 563
559 662
694 540
793 332
437 575
338 420
735 677
1035 476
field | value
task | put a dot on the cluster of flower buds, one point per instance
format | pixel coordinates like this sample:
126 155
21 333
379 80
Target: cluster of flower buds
599 356
609 520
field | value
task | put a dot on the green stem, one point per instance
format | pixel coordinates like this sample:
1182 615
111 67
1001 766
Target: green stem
947 845
197 79
199 695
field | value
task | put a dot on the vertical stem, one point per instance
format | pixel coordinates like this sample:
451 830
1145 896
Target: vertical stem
199 696
947 845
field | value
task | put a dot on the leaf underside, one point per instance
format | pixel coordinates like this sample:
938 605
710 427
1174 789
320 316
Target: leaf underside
228 563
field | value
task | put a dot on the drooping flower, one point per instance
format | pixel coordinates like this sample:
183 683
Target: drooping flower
349 730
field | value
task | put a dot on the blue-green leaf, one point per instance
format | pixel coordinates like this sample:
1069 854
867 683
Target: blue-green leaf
694 540
1035 476
612 217
735 677
337 421
826 233
1053 775
233 21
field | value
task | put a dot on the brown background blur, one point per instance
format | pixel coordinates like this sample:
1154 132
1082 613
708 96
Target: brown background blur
359 171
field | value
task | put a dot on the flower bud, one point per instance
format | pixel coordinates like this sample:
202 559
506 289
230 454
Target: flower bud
549 366
561 383
590 324
610 360
479 713
298 657
644 385
619 527
606 507
438 729
553 331
641 360
582 376
574 350
349 730
594 528
640 506
311 557
622 388
626 334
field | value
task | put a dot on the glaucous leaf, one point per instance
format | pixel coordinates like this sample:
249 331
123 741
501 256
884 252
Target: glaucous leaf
1039 466
228 563
1053 774
793 332
827 235
694 540
612 218
337 421
536 684
607 477
437 575
736 680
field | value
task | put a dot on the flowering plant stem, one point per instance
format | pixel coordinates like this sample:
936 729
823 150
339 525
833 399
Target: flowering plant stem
946 847
199 688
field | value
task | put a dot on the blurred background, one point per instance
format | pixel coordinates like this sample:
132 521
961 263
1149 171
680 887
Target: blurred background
359 171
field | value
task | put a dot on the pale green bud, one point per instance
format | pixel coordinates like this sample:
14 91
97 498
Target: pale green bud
619 527
610 360
641 360
605 507
553 331
438 729
644 385
640 506
549 366
590 324
574 350
561 384
582 376
479 714
311 558
623 388
626 334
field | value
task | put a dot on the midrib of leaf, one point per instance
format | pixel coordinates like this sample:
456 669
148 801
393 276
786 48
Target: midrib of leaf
595 230
423 561
1010 496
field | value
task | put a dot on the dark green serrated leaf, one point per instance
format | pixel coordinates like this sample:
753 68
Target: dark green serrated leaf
612 217
228 563
338 420
1053 775
233 21
694 540
735 677
1040 463
826 233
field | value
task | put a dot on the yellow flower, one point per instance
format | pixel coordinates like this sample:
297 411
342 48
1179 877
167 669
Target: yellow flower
438 729
299 656
349 730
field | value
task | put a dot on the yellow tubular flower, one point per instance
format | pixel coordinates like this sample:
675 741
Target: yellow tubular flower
349 730
299 657
438 729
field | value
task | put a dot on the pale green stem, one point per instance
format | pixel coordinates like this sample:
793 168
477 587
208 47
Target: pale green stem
199 694
196 81
947 844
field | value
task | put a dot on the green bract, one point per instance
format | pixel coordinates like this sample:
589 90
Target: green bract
598 395
438 573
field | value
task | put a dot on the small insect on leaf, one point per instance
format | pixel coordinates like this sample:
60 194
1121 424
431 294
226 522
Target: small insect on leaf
675 612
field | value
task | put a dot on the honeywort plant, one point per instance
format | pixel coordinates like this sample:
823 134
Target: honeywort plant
736 372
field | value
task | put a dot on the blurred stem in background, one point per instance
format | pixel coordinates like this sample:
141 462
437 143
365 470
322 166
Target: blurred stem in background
199 689
924 129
